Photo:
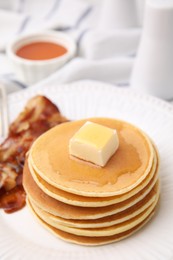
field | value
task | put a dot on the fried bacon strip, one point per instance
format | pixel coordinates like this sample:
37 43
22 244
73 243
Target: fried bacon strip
39 115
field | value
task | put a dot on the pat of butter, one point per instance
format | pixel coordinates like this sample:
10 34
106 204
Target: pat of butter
94 143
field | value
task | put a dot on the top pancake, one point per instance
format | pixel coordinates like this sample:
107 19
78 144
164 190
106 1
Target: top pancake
128 167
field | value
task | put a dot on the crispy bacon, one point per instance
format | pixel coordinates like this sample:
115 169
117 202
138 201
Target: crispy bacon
39 115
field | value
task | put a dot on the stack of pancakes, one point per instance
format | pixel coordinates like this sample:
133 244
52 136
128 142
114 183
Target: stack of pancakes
86 204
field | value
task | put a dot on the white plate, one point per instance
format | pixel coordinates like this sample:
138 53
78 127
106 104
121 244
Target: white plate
21 237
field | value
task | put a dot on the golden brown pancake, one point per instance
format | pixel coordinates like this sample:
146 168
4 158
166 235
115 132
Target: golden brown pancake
66 211
90 241
125 170
123 216
84 201
103 231
87 204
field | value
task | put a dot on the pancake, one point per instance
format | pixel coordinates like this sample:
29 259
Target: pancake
90 241
104 231
87 204
84 201
101 222
125 170
66 211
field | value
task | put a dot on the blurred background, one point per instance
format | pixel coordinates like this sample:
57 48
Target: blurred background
108 35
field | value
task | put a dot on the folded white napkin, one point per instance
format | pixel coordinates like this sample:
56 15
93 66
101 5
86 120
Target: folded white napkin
98 45
31 16
115 71
103 54
10 23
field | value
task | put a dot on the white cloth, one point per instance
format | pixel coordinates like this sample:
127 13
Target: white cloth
103 54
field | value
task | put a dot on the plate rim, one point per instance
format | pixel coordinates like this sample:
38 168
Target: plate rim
132 93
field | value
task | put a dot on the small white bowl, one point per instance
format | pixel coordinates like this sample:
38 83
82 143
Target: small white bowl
32 71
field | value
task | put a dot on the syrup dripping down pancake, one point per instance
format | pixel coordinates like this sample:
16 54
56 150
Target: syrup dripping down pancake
66 211
126 169
84 201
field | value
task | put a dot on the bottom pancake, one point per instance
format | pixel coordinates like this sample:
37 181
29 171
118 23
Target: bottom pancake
90 241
